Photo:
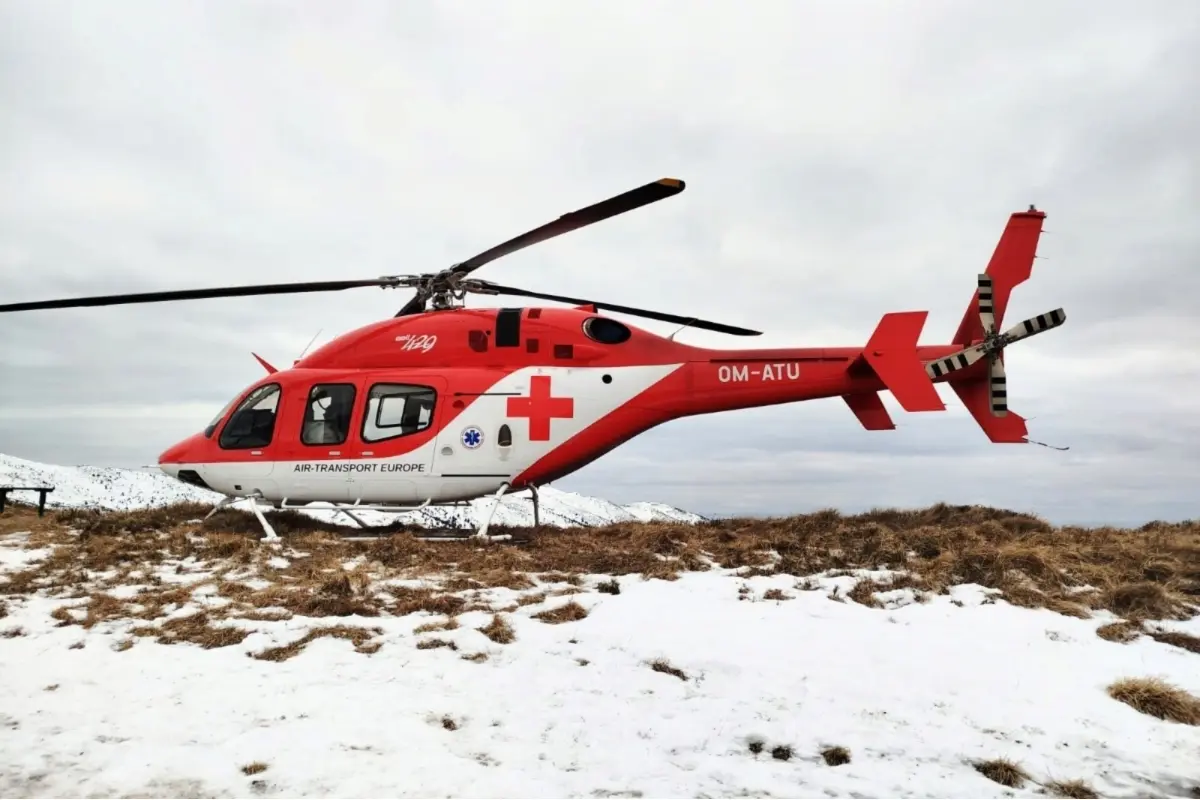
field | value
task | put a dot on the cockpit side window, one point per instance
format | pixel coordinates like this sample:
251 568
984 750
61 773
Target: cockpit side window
327 415
252 423
397 409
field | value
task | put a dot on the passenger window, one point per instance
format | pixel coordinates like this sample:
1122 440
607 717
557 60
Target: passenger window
253 422
327 415
397 409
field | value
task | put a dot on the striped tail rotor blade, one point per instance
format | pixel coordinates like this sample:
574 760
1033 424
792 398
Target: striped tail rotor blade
998 388
987 308
1035 325
960 360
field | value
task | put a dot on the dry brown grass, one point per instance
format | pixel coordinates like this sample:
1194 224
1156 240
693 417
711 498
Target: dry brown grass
781 752
1152 572
499 631
449 624
1121 632
254 767
570 612
1184 641
1003 772
835 756
1157 698
665 667
1075 789
359 637
433 644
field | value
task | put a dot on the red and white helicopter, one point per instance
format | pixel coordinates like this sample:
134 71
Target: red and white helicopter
443 404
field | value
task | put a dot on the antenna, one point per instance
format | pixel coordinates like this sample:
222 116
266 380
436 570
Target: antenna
680 328
310 344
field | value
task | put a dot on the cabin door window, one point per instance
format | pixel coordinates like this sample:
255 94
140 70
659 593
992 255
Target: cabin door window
327 414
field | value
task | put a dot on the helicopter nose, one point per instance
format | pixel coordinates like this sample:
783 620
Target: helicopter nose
178 454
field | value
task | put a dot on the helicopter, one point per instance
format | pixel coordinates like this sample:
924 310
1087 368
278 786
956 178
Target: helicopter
442 404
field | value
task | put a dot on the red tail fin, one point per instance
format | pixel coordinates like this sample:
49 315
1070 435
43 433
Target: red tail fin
1009 429
1011 265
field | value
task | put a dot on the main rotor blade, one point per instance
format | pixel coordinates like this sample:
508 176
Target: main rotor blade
692 322
574 220
197 294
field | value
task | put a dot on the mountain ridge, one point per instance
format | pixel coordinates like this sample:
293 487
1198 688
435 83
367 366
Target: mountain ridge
125 489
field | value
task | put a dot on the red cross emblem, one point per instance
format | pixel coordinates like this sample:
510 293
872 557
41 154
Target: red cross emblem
540 408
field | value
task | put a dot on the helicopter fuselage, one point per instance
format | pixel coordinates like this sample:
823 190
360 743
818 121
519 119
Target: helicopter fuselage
449 405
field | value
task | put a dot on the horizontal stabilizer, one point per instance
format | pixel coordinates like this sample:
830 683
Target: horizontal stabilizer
892 353
869 409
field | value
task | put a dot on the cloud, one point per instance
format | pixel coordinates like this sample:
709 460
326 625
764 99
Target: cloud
842 162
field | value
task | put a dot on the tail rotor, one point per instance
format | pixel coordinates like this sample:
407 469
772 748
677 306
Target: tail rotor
993 345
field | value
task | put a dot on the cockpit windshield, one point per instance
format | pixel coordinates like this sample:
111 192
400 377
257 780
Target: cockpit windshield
212 426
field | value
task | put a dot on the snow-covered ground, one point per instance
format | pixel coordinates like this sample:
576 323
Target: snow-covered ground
772 671
916 692
114 488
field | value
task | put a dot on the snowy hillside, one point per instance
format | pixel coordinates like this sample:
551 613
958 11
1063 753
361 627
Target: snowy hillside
114 488
690 688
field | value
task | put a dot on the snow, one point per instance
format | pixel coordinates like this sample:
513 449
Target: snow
915 693
114 488
917 690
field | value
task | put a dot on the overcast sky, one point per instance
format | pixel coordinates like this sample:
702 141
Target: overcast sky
843 159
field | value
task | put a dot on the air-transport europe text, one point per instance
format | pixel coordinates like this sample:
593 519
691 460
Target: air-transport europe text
359 466
780 371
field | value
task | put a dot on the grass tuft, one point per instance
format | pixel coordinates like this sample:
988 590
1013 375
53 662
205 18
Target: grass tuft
359 637
1077 789
1184 641
1157 698
835 756
1121 632
570 612
610 586
665 667
499 631
1003 772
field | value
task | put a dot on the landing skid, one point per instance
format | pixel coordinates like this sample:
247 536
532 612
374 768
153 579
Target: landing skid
258 503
